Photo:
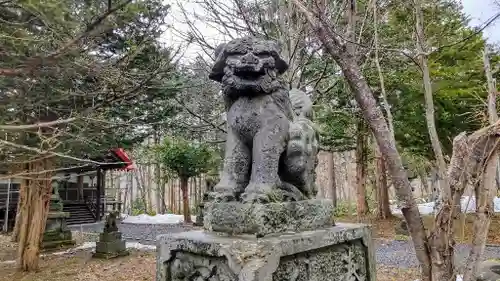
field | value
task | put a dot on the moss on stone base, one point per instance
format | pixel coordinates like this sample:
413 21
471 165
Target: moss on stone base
57 245
110 255
57 235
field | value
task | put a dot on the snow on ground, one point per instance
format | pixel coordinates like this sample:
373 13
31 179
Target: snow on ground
91 245
468 204
156 219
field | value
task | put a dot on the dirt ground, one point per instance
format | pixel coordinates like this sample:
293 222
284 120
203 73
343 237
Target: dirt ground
463 227
139 266
7 249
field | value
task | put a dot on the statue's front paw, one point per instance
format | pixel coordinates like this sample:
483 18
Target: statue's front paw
260 193
223 193
254 197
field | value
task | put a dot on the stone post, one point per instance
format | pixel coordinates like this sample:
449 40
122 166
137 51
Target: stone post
57 234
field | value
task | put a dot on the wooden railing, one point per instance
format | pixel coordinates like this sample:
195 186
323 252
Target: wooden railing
91 205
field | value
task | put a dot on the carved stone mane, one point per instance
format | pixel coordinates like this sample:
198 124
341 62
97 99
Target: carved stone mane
256 59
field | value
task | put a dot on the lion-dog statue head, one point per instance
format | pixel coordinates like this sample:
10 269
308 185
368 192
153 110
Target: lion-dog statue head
248 64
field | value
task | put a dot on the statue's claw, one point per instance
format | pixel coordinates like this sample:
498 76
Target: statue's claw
260 193
253 197
223 193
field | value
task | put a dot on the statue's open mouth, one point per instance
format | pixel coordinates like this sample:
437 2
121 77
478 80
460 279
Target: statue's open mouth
249 75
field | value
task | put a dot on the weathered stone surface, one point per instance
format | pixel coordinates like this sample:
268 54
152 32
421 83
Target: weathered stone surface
110 244
110 247
210 183
57 234
55 215
264 219
57 245
340 253
271 144
110 236
111 219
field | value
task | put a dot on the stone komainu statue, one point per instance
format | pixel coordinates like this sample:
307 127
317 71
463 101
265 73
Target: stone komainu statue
271 147
110 225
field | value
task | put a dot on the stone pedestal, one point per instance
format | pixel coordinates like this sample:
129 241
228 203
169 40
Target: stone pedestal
265 219
340 253
57 234
110 245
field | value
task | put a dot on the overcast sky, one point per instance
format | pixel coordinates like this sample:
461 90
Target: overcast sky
480 11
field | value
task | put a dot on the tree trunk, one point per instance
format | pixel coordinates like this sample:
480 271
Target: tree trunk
361 163
23 195
492 89
333 45
429 105
160 189
163 193
171 196
139 178
484 191
383 210
185 199
35 210
179 197
385 101
333 180
425 184
484 210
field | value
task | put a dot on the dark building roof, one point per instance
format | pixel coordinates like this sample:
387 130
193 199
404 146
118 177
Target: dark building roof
114 159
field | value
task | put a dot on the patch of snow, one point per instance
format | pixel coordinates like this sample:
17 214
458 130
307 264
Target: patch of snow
92 245
157 219
140 246
424 208
467 203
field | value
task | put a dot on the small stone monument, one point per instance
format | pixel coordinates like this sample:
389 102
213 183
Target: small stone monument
57 234
110 244
262 222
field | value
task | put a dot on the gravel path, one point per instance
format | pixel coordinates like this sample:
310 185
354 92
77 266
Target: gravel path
142 233
390 253
402 254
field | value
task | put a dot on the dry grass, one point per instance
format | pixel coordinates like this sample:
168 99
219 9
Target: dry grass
463 227
137 267
385 273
